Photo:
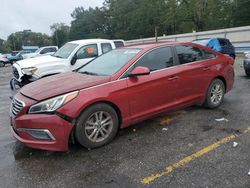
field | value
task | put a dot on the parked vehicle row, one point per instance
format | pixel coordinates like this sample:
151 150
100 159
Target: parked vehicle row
3 60
120 88
69 57
46 50
24 54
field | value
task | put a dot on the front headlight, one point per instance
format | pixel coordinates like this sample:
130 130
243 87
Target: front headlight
29 71
53 104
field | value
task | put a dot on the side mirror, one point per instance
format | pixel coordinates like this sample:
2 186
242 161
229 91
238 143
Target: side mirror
139 71
73 60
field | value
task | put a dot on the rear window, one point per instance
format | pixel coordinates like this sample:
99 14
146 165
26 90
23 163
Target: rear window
106 47
119 44
188 54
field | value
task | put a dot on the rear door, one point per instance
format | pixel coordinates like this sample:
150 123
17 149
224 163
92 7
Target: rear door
194 73
152 93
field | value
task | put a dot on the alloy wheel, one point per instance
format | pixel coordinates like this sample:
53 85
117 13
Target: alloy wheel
216 93
98 126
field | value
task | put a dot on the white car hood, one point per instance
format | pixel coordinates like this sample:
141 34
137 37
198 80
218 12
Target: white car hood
36 61
30 55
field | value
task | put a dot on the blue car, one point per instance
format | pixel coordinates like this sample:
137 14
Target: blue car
221 45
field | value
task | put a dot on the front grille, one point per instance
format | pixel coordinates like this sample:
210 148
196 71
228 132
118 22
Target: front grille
16 106
15 73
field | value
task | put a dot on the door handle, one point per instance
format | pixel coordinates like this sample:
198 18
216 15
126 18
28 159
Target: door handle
206 68
171 78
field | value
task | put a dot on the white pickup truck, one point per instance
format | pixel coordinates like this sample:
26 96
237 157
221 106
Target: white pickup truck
69 57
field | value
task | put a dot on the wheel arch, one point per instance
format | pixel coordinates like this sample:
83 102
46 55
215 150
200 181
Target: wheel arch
223 80
113 105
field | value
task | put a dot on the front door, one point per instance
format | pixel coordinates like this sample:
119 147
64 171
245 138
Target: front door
150 94
84 55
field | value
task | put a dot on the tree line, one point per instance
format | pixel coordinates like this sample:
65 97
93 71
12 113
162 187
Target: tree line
133 19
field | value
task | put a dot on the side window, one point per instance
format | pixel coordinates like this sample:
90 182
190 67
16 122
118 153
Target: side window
106 47
52 50
44 51
223 42
208 55
119 44
188 54
157 59
88 51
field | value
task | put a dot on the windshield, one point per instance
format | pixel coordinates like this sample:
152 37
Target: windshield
202 42
65 51
109 63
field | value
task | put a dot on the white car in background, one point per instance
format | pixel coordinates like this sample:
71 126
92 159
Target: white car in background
247 54
46 50
69 57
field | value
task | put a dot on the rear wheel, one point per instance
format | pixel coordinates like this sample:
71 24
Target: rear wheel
97 126
247 73
215 94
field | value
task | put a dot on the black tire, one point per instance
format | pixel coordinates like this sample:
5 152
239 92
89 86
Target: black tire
84 130
247 73
219 96
2 64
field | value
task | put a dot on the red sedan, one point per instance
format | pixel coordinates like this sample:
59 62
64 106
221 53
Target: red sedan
118 89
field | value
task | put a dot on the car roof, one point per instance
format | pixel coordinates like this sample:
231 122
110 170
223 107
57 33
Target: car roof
156 44
86 41
48 46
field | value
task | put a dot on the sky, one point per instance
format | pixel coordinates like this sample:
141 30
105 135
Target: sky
38 15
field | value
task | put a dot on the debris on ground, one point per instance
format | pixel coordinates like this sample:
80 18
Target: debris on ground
190 145
134 130
222 119
249 172
235 144
166 120
164 129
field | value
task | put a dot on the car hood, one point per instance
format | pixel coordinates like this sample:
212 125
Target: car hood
30 55
32 62
60 84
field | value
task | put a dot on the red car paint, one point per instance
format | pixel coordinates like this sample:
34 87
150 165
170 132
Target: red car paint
134 98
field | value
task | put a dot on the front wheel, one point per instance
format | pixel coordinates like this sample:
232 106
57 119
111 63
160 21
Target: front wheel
247 73
97 126
215 94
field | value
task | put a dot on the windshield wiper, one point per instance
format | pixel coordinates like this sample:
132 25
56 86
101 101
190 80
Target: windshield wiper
89 73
